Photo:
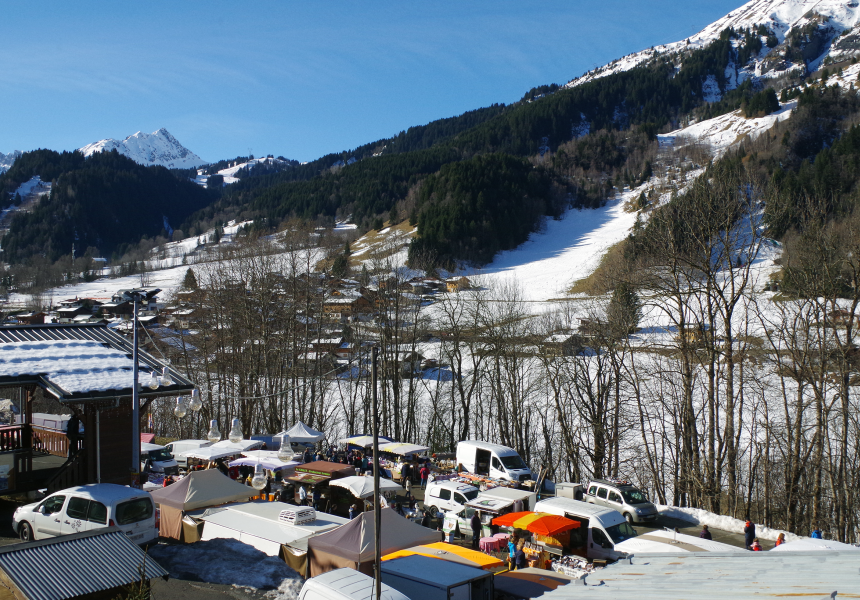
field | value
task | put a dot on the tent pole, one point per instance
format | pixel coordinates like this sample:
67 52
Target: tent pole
377 509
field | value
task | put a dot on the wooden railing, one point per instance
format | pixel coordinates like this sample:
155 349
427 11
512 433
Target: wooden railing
11 437
73 472
50 441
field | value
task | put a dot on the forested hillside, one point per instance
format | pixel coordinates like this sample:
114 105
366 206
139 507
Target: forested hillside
105 202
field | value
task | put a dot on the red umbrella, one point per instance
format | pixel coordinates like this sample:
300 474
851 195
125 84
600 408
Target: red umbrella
540 523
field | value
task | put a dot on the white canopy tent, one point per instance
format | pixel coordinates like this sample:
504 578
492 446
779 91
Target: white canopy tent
403 448
267 458
362 487
302 434
223 450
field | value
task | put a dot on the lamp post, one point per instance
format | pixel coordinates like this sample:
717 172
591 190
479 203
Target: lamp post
377 508
135 399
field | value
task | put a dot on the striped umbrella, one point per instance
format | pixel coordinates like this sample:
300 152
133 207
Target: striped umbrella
539 523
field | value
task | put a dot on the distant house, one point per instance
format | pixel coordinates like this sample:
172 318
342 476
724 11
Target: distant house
329 344
343 306
455 284
121 310
148 302
31 318
560 344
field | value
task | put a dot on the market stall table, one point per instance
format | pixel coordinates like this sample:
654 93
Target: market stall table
489 544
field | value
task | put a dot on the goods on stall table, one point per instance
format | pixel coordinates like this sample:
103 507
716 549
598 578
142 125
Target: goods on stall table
536 555
573 566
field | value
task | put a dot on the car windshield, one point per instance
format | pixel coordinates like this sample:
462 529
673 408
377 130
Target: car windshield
634 496
159 455
622 531
471 494
513 462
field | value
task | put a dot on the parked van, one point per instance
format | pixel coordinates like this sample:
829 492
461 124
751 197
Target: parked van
492 460
448 496
89 507
179 449
566 489
160 459
345 584
624 497
599 531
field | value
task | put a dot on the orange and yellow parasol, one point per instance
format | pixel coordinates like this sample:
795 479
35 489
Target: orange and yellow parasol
539 523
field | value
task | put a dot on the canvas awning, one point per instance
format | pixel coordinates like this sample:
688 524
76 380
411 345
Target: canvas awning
309 478
451 553
403 448
267 458
212 453
362 487
200 489
363 441
324 467
355 540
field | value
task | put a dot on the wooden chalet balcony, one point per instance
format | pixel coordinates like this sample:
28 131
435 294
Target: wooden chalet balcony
33 455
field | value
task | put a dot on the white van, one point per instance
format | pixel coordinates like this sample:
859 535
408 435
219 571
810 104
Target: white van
599 531
448 496
179 449
345 584
88 507
492 460
160 459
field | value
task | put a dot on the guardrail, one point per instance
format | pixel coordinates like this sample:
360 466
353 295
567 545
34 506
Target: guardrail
51 441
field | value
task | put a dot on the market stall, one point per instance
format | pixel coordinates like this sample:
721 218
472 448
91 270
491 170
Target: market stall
199 489
315 477
550 534
352 545
452 553
363 441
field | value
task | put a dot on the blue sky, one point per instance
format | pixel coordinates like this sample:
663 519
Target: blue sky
299 79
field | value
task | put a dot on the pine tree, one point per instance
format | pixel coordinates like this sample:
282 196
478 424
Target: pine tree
190 281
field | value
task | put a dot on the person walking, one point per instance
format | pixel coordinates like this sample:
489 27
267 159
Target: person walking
780 539
705 534
816 533
408 487
425 472
749 533
475 522
306 457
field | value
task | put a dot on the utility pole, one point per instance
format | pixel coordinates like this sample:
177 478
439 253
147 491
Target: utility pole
377 508
135 400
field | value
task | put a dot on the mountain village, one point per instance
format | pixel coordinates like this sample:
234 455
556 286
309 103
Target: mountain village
614 354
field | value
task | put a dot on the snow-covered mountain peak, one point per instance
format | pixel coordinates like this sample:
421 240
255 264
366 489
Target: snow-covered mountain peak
6 160
778 16
156 148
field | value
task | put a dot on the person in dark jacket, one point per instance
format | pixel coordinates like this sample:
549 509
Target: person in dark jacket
749 533
73 432
520 557
475 522
705 534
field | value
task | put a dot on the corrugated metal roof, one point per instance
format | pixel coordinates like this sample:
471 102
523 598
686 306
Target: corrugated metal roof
97 332
714 575
77 564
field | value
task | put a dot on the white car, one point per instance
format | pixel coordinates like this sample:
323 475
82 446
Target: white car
448 496
88 507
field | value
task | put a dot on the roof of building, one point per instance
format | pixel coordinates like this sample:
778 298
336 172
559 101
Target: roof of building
716 575
427 570
77 564
77 362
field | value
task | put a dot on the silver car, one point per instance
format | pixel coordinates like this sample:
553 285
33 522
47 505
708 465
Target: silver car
623 497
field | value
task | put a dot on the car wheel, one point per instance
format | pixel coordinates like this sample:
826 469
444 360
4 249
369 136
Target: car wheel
25 532
434 511
629 518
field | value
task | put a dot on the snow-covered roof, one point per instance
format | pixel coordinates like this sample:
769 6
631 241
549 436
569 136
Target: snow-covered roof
77 362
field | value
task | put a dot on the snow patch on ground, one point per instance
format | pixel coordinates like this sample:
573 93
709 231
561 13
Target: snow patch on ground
229 562
711 89
721 133
703 517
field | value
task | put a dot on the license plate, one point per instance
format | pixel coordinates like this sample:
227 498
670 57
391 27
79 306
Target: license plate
139 536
